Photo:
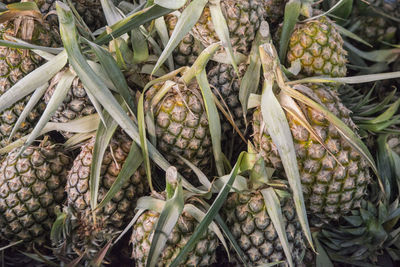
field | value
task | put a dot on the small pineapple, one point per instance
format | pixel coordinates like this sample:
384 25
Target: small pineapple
181 124
243 19
90 11
203 254
330 190
319 47
248 220
188 49
75 105
31 186
274 10
88 235
15 64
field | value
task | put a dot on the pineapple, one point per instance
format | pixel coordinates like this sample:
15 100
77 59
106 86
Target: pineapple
88 235
203 254
248 220
330 190
319 47
243 19
375 29
181 124
274 10
31 186
15 64
188 49
75 105
90 11
226 85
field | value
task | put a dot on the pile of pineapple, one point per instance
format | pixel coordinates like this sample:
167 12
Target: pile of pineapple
199 133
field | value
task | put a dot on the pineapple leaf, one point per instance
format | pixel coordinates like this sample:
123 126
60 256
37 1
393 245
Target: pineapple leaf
132 21
213 120
113 73
168 218
112 14
278 128
18 43
383 55
132 222
200 175
77 139
292 13
222 30
56 99
104 134
185 23
210 215
33 80
36 96
99 257
162 31
199 215
170 4
139 46
251 79
345 32
275 213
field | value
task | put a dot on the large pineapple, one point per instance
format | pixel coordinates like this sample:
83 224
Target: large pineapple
31 186
89 235
181 124
330 190
15 64
248 220
243 19
319 47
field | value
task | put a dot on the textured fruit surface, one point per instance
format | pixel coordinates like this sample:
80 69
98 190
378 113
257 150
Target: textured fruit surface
188 49
90 236
89 10
250 224
14 65
274 10
31 186
319 47
330 189
181 125
75 105
203 254
226 85
243 18
374 30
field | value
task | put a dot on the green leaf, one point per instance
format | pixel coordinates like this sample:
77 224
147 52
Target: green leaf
104 133
322 258
278 128
210 215
292 13
213 120
251 79
139 46
384 55
170 4
132 21
222 30
114 73
165 224
112 14
275 213
36 96
32 81
185 23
